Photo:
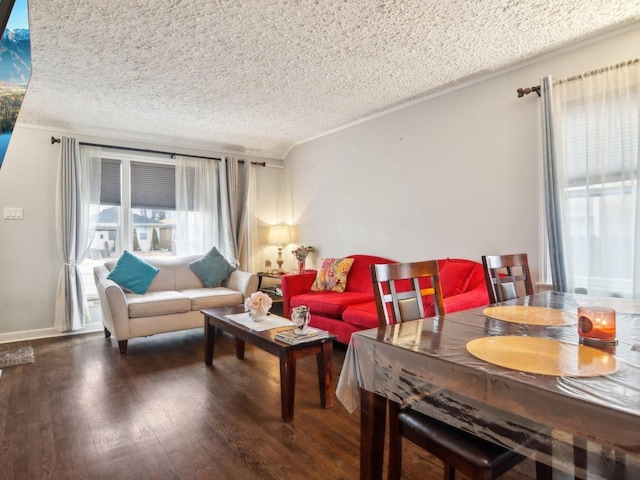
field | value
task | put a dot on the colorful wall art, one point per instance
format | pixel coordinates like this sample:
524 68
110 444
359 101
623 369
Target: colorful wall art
15 70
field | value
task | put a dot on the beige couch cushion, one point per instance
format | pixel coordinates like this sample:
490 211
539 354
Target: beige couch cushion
157 303
202 298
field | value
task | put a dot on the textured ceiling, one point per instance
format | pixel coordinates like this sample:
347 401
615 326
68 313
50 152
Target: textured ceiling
259 76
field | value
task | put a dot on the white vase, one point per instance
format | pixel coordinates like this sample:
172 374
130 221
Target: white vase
259 315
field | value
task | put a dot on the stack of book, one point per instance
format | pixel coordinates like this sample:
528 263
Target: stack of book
292 338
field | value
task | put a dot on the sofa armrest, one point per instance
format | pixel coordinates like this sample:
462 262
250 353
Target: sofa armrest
243 282
113 303
293 285
476 297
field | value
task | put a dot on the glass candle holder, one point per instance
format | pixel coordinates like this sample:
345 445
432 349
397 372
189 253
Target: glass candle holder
597 325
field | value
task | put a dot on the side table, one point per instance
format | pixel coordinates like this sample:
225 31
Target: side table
273 291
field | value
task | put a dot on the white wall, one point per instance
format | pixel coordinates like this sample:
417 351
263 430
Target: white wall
274 202
457 175
29 259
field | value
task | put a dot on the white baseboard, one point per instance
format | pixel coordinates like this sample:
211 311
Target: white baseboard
47 333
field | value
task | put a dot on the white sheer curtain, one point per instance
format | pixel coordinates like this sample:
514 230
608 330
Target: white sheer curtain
595 125
197 205
77 210
212 207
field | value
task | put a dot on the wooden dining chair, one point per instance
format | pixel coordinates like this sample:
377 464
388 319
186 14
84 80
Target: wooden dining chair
401 291
417 281
507 276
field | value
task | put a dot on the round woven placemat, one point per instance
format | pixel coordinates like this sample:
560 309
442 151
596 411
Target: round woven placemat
543 356
531 315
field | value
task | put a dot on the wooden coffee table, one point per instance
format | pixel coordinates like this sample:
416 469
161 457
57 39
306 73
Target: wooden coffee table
288 354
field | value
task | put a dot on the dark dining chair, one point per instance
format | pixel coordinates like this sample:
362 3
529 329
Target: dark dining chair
401 291
507 276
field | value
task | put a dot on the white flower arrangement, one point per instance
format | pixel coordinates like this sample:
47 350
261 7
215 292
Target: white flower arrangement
258 302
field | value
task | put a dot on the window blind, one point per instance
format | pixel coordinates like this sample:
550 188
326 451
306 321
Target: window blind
597 152
153 185
110 182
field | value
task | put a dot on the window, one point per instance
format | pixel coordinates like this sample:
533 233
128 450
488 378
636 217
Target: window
137 210
598 131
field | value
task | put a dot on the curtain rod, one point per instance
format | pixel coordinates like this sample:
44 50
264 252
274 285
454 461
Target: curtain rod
599 70
526 91
144 150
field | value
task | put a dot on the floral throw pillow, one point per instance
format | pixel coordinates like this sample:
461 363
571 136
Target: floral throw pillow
332 276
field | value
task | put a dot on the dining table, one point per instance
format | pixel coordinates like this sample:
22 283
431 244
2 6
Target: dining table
514 373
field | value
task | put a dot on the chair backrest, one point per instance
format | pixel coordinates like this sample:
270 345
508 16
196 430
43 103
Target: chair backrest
401 289
507 276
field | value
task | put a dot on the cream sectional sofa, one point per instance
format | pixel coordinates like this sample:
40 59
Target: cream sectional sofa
172 302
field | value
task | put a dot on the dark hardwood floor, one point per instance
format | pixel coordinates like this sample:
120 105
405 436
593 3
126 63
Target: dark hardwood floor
83 411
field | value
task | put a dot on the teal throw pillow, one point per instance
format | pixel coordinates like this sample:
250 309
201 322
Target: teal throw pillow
132 273
212 268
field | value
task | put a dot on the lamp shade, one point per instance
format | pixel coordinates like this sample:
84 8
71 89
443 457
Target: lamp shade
279 235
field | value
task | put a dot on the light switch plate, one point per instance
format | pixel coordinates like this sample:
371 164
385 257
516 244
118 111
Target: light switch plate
13 213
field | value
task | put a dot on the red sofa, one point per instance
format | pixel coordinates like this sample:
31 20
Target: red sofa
342 313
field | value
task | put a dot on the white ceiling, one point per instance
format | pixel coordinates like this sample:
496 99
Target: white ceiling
259 76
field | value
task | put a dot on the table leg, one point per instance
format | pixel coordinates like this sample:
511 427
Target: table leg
287 384
579 457
373 413
239 348
325 370
544 469
209 341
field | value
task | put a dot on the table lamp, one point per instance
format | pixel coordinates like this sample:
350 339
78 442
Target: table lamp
280 235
